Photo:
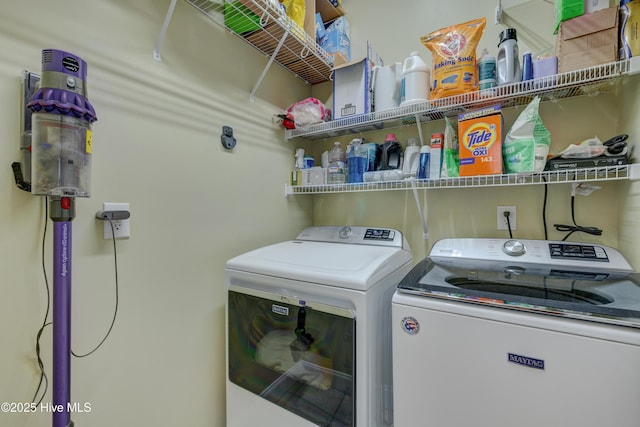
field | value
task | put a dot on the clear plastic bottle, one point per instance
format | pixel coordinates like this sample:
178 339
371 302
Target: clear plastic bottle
487 73
336 173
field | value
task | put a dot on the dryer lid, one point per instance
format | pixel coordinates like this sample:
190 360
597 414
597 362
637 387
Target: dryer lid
351 266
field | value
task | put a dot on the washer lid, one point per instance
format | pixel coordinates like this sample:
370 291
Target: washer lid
351 266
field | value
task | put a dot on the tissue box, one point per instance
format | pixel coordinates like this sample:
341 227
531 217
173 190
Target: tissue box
588 40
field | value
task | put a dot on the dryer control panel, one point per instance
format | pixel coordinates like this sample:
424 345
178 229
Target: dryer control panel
354 235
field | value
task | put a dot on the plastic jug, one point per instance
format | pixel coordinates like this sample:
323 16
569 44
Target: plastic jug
411 158
414 84
385 81
508 61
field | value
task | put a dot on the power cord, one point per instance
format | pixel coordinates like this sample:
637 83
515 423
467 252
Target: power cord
575 227
43 375
44 380
544 209
506 215
115 311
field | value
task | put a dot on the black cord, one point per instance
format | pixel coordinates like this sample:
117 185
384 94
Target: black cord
544 209
43 374
572 229
115 311
506 215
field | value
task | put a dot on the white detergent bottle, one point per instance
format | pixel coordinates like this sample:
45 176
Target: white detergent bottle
508 62
414 84
411 158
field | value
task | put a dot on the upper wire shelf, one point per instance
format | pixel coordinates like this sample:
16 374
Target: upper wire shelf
264 25
588 81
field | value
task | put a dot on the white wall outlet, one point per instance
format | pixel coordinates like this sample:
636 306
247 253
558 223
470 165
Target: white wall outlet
502 220
121 227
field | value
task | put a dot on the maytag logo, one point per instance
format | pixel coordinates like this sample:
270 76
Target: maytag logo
278 309
526 361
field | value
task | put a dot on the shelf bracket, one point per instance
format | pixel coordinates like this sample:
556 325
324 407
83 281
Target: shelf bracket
165 25
419 125
252 94
425 230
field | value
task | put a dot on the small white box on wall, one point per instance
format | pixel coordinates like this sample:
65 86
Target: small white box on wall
591 6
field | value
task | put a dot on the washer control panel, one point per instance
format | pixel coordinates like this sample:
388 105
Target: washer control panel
541 254
577 252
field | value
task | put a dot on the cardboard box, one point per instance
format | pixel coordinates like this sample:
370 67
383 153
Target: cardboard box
351 91
336 38
480 141
335 42
588 40
566 9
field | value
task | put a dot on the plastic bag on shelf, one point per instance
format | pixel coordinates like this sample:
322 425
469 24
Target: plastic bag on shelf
304 113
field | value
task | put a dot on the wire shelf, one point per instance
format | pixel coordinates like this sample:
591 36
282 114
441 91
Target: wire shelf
264 25
589 81
610 173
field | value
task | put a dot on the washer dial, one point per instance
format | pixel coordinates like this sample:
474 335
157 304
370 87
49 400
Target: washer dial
513 248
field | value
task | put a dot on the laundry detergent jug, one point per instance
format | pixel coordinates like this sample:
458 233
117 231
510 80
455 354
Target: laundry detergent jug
385 81
508 62
416 77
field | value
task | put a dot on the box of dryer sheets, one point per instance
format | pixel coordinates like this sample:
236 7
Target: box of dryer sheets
588 40
351 91
480 141
337 39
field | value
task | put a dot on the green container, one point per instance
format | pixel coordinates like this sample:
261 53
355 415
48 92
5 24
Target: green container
567 9
239 18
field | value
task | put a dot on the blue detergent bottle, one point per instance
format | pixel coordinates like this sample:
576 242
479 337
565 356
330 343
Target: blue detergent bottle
357 162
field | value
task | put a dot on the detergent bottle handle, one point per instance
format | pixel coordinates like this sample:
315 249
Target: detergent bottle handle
405 64
374 74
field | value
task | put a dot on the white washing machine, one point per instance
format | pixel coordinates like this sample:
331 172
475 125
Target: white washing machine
495 333
309 329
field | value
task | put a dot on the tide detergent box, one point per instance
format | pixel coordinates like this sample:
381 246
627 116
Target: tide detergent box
480 141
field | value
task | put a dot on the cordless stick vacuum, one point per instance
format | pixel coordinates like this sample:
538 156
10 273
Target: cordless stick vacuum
61 170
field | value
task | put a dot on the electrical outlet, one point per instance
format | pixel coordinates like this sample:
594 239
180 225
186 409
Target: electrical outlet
121 227
502 220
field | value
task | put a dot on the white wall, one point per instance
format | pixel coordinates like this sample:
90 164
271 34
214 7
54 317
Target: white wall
194 205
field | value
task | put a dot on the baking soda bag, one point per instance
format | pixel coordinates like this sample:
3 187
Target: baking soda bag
454 57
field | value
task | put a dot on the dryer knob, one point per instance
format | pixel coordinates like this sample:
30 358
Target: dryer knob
345 232
513 248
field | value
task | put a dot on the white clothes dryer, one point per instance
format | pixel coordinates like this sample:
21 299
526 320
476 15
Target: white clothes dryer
309 329
528 333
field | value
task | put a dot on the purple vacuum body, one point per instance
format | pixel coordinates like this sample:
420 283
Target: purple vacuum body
61 127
